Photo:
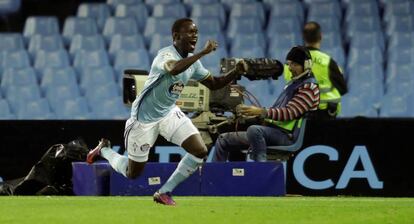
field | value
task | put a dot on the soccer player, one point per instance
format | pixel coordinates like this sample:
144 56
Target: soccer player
154 111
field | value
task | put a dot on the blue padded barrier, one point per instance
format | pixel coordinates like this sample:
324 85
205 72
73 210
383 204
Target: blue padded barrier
91 180
243 179
213 179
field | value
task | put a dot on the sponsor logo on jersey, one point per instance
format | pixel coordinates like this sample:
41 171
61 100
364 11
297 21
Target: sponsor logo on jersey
176 88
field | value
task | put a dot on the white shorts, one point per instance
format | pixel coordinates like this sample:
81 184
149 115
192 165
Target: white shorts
140 137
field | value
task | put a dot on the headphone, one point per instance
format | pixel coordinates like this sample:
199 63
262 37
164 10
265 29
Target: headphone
307 65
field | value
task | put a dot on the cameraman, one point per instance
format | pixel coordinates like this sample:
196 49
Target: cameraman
299 97
326 71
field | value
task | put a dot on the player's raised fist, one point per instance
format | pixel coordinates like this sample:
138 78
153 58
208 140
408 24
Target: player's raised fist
210 46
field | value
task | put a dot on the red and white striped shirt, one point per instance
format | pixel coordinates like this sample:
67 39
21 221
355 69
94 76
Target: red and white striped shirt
306 99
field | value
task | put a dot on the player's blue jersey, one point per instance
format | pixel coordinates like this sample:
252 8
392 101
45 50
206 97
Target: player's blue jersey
161 90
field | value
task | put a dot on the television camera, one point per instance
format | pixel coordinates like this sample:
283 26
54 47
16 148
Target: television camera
209 110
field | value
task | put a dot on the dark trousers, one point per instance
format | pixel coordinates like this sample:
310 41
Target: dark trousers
257 137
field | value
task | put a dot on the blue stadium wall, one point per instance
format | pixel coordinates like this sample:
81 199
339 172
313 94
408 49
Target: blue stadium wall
357 156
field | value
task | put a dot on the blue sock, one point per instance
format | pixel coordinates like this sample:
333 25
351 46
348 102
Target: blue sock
185 168
119 163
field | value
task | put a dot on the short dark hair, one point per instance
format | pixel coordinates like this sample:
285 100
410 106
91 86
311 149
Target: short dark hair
178 23
311 32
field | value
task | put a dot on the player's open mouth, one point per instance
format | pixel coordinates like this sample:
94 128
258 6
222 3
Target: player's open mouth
193 43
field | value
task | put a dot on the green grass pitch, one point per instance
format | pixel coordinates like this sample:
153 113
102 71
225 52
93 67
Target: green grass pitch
196 210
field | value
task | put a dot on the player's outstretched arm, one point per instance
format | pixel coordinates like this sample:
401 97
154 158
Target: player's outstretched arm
176 67
214 83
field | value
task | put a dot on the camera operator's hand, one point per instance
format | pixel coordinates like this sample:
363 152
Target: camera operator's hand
241 67
210 46
250 110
